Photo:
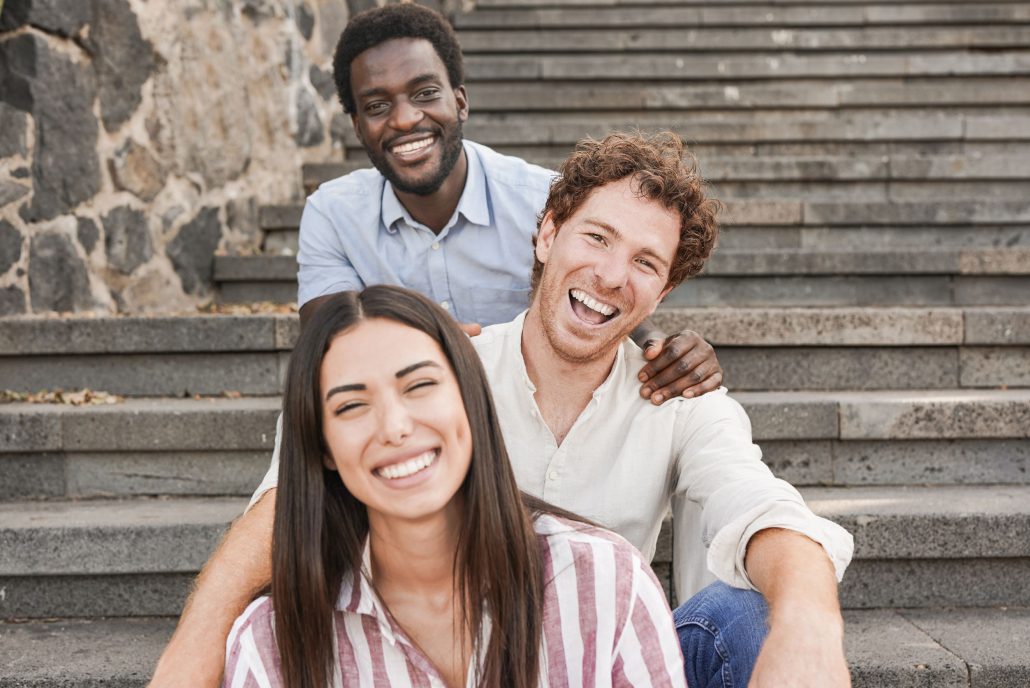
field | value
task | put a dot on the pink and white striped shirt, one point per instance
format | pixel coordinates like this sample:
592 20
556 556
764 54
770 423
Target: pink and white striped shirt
606 622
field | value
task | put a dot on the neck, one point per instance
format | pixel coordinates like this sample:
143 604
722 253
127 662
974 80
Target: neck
563 386
437 208
415 556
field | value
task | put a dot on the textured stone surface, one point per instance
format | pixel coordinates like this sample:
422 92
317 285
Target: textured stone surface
108 595
31 476
993 642
800 463
148 374
884 649
50 15
127 239
10 246
58 279
310 130
123 62
98 474
12 131
87 233
845 290
992 291
305 20
193 250
11 192
789 417
997 326
12 301
256 292
141 334
928 583
936 415
25 428
947 521
257 268
824 326
322 80
112 537
996 367
134 169
59 94
931 462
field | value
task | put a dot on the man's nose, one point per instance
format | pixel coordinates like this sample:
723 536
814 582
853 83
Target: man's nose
405 116
612 271
395 423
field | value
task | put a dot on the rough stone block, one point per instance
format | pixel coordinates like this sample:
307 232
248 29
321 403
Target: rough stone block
997 326
31 476
180 425
784 416
287 329
930 290
105 537
174 375
817 326
939 213
839 368
257 292
100 474
992 291
10 246
24 427
58 278
928 583
936 415
926 462
127 239
192 251
126 335
947 521
255 268
884 649
996 366
1008 261
762 212
118 653
992 642
800 463
119 595
273 217
50 15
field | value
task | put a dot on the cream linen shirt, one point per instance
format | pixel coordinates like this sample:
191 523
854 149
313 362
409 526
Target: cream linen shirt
626 462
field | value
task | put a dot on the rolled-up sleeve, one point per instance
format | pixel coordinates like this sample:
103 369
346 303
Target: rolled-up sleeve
721 469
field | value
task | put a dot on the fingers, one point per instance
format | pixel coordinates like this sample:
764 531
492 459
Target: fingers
471 329
687 366
667 352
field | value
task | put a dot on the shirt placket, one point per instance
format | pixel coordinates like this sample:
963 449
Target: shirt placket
436 268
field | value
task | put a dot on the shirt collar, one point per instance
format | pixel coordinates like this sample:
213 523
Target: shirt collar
474 204
514 353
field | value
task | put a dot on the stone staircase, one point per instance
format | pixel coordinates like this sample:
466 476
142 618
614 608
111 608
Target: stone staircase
870 303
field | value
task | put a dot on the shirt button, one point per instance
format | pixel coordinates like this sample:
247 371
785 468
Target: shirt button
446 305
553 475
436 245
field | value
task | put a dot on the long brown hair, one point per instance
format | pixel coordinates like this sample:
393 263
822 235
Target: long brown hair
320 528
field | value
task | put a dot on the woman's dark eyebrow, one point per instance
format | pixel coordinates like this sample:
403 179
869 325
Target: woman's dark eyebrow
415 366
344 388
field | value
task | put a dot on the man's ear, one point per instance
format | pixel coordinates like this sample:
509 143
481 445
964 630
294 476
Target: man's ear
461 96
545 238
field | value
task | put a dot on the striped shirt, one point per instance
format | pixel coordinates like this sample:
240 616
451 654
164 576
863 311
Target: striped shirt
606 622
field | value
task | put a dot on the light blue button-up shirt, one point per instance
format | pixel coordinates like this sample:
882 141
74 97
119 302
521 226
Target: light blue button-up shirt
355 232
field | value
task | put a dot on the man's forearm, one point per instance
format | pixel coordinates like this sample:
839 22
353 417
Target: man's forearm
793 572
232 577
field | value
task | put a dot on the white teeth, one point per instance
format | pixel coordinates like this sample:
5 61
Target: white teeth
591 303
412 146
409 467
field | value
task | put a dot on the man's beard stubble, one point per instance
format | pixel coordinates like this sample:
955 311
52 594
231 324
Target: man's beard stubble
451 141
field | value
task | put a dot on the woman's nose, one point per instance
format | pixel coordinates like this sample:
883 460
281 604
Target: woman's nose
395 423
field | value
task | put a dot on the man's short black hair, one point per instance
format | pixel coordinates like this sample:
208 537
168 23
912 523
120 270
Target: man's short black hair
380 24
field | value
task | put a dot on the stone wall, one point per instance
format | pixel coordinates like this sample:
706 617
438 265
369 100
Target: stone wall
138 138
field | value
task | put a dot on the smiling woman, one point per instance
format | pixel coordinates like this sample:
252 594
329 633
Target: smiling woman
403 552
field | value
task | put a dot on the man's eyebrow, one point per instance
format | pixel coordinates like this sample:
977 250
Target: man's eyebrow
415 366
420 79
601 224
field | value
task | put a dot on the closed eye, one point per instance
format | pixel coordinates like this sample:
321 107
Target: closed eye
427 93
349 406
421 384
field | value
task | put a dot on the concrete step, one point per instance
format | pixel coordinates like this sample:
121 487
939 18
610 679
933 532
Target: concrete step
561 130
222 446
746 40
773 16
915 547
785 277
482 5
825 169
758 97
732 66
943 648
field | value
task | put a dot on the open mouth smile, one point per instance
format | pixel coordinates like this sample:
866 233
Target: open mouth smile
412 149
589 309
409 467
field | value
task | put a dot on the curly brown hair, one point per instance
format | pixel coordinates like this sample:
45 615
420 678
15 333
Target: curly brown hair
664 171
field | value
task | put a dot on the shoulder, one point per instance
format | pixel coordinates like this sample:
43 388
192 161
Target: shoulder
251 644
512 172
583 545
490 342
362 183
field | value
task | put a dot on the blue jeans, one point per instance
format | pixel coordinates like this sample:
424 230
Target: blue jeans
721 630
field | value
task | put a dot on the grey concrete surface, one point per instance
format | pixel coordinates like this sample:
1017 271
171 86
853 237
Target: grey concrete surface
995 366
91 596
931 583
885 649
997 325
929 290
933 462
